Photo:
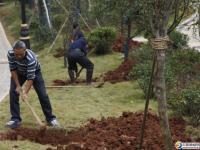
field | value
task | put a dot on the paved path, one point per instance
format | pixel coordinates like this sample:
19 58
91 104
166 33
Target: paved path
187 27
4 69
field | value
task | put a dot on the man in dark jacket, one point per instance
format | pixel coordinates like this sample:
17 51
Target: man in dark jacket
77 54
25 67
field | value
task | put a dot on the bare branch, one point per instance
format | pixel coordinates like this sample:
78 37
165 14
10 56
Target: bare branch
178 19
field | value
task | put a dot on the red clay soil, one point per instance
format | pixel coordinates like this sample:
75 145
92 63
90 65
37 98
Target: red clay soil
119 42
112 133
59 53
68 82
121 73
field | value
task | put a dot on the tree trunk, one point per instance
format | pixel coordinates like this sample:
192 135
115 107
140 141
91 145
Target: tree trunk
46 5
76 10
89 6
199 18
122 25
41 12
160 92
44 13
35 7
127 47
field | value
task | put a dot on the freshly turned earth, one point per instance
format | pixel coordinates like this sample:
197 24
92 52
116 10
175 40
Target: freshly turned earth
110 133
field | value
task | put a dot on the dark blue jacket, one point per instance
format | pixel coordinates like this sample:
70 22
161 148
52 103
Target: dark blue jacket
80 43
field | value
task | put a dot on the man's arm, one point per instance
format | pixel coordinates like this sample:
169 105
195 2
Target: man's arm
13 67
27 87
16 80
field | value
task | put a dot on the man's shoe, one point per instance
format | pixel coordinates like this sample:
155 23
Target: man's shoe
53 122
13 124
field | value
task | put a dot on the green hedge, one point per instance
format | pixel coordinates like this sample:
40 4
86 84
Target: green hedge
102 39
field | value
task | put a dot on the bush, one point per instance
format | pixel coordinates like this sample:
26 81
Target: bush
102 39
193 132
142 73
40 33
185 65
187 104
57 21
142 70
179 40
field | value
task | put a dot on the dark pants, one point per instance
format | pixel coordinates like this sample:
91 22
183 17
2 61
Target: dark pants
38 84
77 56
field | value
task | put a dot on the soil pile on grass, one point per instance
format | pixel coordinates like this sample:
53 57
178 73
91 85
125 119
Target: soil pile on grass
112 133
68 82
121 73
59 53
118 45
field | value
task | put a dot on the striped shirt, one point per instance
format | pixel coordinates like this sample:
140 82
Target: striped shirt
28 66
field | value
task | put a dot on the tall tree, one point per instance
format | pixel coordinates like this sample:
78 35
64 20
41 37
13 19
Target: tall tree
44 7
155 17
74 11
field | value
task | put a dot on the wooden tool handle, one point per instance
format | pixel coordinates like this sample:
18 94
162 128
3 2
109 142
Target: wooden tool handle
37 118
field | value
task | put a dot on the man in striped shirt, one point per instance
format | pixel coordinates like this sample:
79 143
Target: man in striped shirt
25 67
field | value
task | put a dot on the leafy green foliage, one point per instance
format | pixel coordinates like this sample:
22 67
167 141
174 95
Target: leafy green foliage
179 40
142 69
142 73
57 21
102 39
40 33
185 65
194 132
188 104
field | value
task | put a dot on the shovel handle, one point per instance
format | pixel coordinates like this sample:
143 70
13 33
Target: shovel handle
37 118
79 72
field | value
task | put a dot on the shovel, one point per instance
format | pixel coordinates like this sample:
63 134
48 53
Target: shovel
78 74
37 118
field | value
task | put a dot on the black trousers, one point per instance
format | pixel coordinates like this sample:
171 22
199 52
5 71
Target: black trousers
38 84
77 56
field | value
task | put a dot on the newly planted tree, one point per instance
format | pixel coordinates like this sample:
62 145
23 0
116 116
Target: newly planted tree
155 16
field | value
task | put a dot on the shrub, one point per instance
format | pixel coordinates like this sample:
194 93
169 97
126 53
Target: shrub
142 73
142 70
187 104
193 132
179 40
40 33
57 21
102 39
185 65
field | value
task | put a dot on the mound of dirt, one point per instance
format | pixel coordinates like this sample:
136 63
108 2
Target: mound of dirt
58 82
119 43
120 73
59 53
110 133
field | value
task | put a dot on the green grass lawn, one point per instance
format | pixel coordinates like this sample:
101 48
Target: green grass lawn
21 145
